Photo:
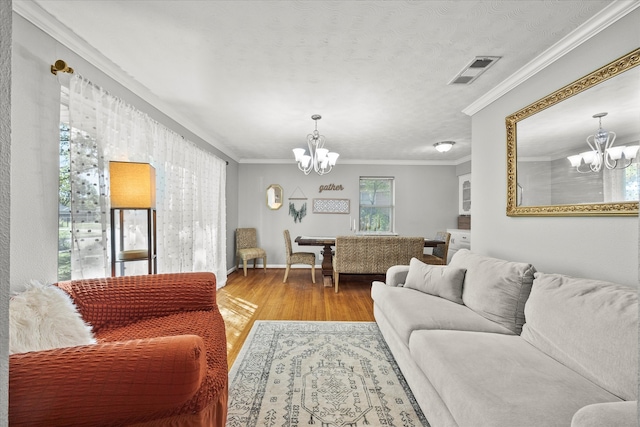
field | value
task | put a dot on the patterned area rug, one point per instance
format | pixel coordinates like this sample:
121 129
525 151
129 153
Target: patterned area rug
332 374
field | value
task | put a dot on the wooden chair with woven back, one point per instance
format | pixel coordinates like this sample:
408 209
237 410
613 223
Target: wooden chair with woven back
440 252
247 248
308 258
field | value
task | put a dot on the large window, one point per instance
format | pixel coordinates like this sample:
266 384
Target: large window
97 127
376 205
79 228
64 199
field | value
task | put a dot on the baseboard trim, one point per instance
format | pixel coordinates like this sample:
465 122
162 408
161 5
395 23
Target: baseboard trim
250 266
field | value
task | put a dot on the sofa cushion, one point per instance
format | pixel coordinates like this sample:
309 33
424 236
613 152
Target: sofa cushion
495 288
501 380
437 280
409 310
589 325
619 414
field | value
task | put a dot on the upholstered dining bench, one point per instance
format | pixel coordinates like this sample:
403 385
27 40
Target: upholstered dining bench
373 254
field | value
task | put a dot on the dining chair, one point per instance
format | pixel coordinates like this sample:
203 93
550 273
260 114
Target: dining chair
247 248
440 252
298 258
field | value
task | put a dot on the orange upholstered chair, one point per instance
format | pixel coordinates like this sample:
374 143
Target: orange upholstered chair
161 358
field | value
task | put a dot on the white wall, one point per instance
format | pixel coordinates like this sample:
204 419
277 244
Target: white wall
5 178
596 247
426 202
35 113
232 211
34 165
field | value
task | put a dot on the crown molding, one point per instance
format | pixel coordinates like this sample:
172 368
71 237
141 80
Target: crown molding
42 19
600 21
365 162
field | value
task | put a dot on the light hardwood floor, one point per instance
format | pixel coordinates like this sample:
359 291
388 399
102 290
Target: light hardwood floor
263 296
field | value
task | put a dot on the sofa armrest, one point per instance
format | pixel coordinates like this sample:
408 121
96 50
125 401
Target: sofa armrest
397 275
118 301
619 414
105 384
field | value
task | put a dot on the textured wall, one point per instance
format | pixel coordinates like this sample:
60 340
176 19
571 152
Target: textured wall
34 159
426 199
597 247
5 159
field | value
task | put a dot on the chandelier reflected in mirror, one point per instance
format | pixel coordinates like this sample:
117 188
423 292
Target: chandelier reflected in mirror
319 158
603 152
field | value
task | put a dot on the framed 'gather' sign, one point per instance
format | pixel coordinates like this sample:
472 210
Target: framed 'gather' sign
331 206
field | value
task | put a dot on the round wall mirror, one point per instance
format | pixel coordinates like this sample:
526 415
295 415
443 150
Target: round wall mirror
274 196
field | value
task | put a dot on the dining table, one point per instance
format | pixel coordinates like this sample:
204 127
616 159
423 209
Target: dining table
328 242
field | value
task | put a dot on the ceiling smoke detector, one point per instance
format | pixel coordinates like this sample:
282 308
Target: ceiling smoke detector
474 69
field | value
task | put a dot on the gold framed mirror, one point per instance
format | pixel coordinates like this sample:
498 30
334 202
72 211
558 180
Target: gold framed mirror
543 181
274 197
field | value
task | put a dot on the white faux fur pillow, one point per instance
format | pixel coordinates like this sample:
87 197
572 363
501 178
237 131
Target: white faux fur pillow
44 317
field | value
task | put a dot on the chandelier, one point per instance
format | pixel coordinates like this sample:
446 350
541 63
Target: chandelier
603 152
319 158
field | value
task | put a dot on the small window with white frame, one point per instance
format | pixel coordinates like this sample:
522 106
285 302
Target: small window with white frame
376 210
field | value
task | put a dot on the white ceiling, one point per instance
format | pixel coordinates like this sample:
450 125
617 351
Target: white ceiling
246 76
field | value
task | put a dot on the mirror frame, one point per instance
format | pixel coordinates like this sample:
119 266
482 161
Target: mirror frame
610 70
277 190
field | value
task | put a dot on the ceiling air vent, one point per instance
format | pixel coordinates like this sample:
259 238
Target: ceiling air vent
473 69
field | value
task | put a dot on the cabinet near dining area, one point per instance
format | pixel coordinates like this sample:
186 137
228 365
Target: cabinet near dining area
460 239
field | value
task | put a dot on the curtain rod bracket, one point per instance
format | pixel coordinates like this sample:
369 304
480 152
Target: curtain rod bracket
62 66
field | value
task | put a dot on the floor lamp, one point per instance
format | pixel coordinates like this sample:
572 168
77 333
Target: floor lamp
132 188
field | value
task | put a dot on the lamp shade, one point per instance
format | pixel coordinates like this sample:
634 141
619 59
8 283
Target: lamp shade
132 185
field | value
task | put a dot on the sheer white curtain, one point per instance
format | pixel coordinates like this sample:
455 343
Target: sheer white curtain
613 183
190 185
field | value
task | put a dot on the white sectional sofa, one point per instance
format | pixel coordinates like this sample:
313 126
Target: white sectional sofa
487 342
